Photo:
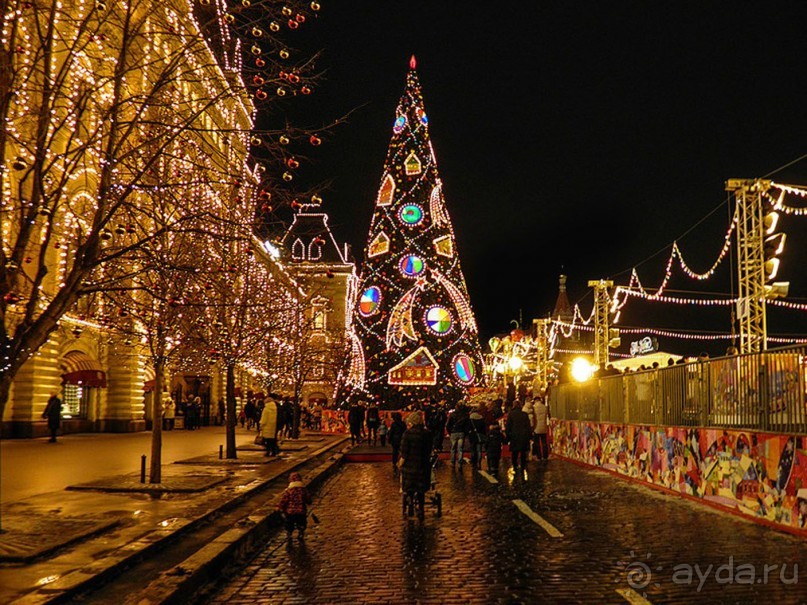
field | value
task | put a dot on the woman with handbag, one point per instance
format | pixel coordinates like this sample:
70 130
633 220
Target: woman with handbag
268 424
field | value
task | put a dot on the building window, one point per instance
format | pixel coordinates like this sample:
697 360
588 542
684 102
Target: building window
76 401
315 249
298 250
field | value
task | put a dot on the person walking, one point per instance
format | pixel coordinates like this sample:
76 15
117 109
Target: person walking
221 416
540 413
249 410
268 427
382 432
373 421
476 437
169 413
53 412
493 447
355 420
415 461
293 506
458 426
518 431
396 431
437 425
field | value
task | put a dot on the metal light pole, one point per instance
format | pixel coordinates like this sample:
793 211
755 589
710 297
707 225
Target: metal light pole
601 333
758 245
541 355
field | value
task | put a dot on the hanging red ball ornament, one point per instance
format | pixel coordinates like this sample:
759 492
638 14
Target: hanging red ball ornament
516 335
293 24
292 163
260 94
259 62
305 90
315 140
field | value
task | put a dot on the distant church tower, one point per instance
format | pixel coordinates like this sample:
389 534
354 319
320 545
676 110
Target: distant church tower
326 271
564 348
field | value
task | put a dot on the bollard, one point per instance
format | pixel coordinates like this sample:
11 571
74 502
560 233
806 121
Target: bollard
143 468
221 452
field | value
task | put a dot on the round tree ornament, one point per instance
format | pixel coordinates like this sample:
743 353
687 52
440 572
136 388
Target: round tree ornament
370 301
438 320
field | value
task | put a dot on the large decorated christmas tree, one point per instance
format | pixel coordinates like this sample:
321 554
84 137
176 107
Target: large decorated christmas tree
414 335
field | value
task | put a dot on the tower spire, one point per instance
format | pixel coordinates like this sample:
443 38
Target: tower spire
413 62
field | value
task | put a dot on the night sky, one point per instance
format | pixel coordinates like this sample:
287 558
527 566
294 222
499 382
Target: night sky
579 138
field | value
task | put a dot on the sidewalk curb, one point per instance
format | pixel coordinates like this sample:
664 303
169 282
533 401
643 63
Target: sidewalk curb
183 581
76 581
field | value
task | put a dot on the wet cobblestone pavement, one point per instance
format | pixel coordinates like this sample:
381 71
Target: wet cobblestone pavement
620 543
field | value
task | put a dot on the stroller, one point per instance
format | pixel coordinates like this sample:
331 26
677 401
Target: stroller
415 501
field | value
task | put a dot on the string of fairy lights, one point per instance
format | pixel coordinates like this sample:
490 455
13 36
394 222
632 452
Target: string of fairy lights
205 96
635 289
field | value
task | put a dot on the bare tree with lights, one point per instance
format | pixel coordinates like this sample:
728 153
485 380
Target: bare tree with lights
97 101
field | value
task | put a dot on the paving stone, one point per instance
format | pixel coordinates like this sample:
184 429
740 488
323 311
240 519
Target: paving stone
485 550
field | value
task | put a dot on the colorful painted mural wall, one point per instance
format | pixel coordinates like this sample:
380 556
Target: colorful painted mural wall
762 475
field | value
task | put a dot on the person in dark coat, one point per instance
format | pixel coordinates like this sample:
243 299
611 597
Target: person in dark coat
519 433
493 447
437 425
396 431
415 462
477 436
53 412
373 422
355 420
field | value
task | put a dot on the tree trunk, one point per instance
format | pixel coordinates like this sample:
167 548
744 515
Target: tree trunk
5 388
231 414
155 470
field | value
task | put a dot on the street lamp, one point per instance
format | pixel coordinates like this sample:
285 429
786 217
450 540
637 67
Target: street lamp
581 369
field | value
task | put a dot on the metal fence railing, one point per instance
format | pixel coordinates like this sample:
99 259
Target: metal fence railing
764 391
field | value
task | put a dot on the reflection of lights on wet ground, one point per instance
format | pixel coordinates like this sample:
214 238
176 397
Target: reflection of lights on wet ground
46 580
167 522
137 513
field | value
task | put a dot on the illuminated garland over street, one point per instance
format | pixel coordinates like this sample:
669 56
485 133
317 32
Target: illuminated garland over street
414 334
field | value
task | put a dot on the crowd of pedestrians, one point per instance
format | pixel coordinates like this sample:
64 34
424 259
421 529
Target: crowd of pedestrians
475 432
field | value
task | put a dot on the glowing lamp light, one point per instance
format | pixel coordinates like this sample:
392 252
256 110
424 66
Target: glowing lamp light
582 370
515 363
